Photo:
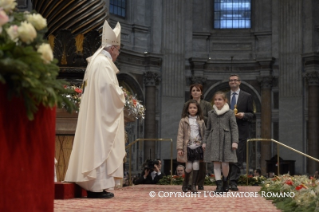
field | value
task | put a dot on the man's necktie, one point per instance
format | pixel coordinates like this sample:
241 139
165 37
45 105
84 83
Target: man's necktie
233 101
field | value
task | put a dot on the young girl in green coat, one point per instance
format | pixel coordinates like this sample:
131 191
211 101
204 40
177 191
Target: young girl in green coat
221 139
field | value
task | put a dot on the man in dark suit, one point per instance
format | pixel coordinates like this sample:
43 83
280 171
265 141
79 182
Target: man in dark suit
151 173
245 113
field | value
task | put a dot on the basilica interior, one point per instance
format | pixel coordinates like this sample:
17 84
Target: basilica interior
167 45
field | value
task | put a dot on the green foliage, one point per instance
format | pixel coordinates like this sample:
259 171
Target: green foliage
166 180
25 73
251 180
305 192
176 180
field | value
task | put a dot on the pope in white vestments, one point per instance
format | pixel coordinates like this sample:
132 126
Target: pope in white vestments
96 161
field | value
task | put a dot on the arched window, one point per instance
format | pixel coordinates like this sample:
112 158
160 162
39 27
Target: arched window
118 7
232 14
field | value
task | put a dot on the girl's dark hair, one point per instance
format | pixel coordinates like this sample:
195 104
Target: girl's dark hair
199 109
199 86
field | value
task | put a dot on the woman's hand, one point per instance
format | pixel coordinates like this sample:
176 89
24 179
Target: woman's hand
180 152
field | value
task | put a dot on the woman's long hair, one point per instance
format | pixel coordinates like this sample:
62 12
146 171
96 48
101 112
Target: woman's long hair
199 110
199 86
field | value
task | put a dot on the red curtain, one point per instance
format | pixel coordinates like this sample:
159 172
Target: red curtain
26 157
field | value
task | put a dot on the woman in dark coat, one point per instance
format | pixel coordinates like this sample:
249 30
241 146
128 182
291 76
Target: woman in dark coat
196 93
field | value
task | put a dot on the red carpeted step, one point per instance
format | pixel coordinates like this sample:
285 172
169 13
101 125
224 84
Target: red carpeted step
68 191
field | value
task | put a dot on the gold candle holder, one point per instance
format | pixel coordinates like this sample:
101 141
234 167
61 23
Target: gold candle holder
235 109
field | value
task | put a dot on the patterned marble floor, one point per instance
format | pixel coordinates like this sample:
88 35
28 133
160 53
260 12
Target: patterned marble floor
169 198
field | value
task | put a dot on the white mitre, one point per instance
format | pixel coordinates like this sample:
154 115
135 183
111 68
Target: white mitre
111 36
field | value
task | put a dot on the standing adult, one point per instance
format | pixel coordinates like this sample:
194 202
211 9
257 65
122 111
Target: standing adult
244 103
196 93
96 161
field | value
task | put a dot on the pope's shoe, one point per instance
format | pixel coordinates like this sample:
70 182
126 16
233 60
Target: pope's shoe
100 195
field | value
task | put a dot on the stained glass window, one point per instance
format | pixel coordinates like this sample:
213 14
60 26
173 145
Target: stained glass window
232 14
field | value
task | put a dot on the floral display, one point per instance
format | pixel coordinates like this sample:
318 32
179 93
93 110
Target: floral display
251 180
306 192
133 106
210 180
74 97
28 69
178 180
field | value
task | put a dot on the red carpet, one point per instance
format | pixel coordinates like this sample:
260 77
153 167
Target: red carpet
137 198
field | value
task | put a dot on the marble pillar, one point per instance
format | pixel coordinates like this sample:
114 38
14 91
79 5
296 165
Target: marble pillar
290 84
313 120
266 85
151 79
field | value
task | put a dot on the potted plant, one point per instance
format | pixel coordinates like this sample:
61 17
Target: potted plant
29 92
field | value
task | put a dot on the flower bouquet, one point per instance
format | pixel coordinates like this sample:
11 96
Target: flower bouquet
133 106
74 97
28 69
304 192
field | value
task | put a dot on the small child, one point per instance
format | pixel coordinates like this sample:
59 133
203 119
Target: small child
189 141
221 139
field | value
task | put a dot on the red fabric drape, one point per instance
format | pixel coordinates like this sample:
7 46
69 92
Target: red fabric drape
26 157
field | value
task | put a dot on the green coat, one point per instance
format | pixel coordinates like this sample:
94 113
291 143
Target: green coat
221 132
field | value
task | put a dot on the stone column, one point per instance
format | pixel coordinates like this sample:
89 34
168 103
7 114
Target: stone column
266 85
313 120
290 47
151 79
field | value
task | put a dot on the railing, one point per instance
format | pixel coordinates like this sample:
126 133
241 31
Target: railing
277 142
148 139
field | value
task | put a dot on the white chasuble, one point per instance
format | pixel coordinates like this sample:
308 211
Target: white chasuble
99 146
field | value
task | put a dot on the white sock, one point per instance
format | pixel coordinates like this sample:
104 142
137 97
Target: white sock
217 170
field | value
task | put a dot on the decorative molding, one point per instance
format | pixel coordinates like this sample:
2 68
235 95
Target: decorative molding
198 80
151 79
140 59
140 28
197 63
205 35
312 78
266 82
265 33
64 48
266 63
